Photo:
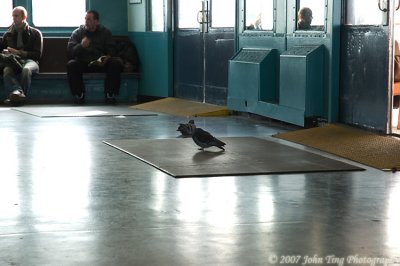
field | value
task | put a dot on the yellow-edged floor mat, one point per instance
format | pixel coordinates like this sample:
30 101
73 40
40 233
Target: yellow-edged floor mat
181 107
378 151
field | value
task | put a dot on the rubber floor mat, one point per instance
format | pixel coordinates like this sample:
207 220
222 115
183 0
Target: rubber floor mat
243 156
378 151
81 111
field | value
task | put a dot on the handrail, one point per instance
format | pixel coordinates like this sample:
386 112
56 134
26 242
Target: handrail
380 7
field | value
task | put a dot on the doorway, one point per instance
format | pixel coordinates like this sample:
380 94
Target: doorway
365 98
395 120
203 45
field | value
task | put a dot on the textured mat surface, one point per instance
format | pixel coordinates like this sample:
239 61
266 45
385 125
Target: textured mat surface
81 111
378 151
243 156
182 107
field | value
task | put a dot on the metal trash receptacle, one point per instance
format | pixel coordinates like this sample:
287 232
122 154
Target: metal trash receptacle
252 78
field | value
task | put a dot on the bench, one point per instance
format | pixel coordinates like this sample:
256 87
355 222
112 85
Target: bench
51 84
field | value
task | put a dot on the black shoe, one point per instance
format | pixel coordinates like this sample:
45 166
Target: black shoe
79 99
13 104
17 96
110 99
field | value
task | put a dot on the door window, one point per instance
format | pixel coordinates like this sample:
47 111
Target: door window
366 12
225 7
311 15
259 14
190 13
187 13
157 17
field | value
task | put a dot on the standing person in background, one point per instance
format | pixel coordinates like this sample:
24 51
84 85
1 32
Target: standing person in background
89 50
256 24
304 18
21 47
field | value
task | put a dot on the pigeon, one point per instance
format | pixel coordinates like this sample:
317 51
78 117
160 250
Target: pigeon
187 129
205 140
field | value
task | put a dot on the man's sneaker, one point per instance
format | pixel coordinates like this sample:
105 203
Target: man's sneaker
13 104
7 101
12 61
17 96
110 98
79 99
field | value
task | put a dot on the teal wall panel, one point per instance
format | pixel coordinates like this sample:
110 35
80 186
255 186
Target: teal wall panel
155 53
113 15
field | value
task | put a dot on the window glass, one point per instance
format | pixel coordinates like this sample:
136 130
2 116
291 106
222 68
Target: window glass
397 25
223 13
157 15
187 13
311 15
366 12
5 13
259 14
51 13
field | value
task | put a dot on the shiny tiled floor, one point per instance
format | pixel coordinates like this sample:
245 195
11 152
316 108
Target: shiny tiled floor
68 199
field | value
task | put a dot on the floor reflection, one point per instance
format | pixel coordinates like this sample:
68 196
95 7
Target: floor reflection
61 174
393 216
9 189
66 198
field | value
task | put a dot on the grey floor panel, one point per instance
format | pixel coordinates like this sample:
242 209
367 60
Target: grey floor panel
243 156
81 111
68 199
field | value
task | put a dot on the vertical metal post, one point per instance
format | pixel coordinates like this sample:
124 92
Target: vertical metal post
203 16
203 19
391 7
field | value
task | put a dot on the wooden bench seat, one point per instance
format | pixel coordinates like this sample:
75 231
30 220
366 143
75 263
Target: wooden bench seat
63 75
51 85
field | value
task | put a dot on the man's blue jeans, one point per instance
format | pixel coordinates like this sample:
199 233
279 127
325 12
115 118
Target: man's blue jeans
20 81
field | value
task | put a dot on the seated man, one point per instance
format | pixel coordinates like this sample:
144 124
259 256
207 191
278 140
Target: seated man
89 50
21 48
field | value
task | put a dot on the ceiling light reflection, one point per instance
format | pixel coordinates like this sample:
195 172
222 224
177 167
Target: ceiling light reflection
158 182
9 190
221 202
210 201
393 229
190 200
61 174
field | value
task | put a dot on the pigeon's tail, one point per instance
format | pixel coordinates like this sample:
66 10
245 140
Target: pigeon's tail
218 143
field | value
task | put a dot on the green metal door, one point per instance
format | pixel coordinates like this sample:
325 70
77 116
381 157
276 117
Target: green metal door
203 44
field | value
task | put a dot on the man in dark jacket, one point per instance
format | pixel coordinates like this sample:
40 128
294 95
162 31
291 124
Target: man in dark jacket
304 19
89 50
21 47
